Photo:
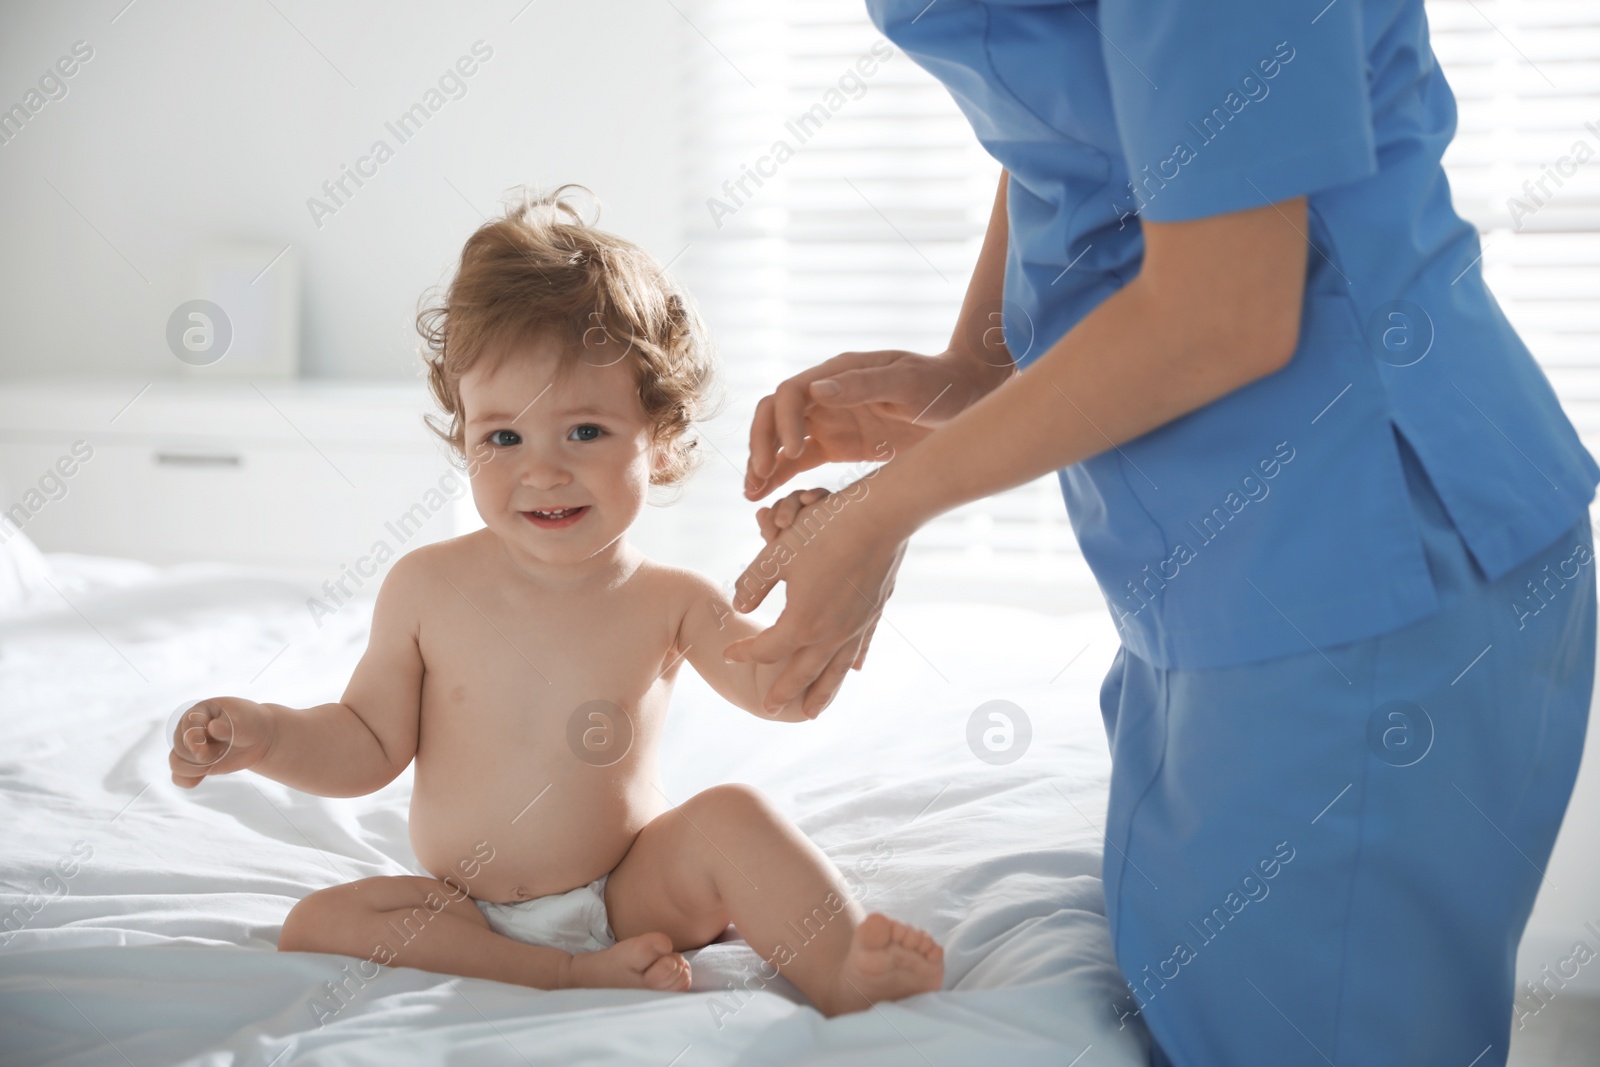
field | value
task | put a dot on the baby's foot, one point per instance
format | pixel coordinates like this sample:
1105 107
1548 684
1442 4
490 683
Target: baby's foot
887 960
643 962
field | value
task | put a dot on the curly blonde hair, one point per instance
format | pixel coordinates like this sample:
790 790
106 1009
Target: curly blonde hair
540 268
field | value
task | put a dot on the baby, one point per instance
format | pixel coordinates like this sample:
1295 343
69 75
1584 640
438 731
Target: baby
527 668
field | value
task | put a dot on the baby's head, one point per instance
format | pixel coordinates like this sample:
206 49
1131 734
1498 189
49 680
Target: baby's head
570 369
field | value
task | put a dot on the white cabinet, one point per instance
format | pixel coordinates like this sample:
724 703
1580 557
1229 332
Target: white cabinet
310 476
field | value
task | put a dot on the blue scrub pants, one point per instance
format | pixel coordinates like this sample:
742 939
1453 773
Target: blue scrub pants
1329 858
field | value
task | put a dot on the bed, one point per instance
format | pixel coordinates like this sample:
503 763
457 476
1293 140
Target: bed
140 921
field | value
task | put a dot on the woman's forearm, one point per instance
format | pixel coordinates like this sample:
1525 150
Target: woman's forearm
978 330
1172 340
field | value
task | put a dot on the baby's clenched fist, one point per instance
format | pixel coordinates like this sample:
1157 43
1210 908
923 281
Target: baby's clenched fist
218 736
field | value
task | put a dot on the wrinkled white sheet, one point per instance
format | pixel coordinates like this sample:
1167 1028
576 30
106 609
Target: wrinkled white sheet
159 947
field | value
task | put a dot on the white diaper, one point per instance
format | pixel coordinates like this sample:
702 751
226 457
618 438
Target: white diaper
574 921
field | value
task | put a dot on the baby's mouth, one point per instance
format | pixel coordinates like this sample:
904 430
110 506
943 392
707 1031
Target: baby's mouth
554 518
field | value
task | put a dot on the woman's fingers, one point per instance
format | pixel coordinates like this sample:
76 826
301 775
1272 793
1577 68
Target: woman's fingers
766 470
798 673
890 383
822 624
790 400
753 585
769 646
783 469
763 449
781 417
822 691
866 639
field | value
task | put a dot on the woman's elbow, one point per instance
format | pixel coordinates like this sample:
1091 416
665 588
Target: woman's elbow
1270 335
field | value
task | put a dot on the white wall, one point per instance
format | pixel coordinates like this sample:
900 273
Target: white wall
199 120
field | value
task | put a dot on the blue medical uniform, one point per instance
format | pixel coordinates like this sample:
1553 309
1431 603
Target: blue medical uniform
1386 537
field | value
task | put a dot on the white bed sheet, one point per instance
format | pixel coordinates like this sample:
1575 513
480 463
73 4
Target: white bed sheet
160 948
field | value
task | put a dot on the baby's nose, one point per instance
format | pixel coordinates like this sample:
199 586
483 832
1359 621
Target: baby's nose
545 472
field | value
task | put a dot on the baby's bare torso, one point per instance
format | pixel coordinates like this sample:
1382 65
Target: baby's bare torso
528 700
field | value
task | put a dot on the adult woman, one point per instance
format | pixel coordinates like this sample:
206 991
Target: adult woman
1332 503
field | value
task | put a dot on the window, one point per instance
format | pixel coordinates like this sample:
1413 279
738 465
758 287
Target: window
1527 87
863 238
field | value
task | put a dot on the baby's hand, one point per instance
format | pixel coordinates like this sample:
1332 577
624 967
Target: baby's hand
218 736
780 516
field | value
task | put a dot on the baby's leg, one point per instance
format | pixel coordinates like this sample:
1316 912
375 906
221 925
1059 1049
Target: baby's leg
410 921
726 855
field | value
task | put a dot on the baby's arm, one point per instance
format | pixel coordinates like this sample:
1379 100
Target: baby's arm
351 748
710 625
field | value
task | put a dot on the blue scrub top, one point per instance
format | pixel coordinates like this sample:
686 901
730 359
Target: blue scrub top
1276 517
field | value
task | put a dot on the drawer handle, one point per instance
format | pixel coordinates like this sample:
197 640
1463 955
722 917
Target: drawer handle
192 459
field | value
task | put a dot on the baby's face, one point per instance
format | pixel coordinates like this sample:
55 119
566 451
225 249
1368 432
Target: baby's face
563 457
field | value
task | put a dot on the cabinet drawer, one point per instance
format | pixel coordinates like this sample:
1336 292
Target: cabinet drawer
256 503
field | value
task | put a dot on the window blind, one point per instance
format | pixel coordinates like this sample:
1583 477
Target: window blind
863 238
1525 169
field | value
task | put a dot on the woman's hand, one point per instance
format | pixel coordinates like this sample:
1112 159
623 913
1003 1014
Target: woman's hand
840 563
862 406
856 407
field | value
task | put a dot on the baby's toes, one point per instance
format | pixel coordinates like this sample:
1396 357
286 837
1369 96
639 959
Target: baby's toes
876 931
919 941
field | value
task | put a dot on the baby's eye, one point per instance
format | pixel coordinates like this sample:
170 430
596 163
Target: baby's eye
505 438
587 432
